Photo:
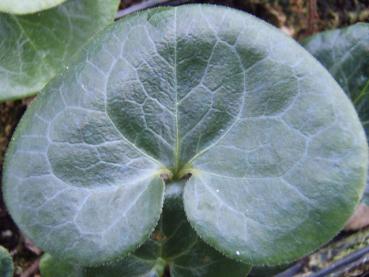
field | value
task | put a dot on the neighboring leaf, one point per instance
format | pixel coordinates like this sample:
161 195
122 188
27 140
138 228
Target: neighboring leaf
277 154
27 6
50 267
174 244
33 48
365 198
129 267
6 263
345 53
361 102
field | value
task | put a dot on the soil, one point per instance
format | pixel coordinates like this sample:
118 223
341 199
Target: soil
297 18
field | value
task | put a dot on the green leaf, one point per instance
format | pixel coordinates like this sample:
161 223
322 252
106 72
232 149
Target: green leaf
51 267
277 155
6 263
26 6
34 48
174 244
345 53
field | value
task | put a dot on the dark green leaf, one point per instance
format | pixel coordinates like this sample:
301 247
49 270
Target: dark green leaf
6 263
33 48
51 267
277 154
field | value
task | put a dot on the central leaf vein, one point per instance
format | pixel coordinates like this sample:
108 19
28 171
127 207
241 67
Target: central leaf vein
177 147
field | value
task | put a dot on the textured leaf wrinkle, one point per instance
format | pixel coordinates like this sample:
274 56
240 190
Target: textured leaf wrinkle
272 153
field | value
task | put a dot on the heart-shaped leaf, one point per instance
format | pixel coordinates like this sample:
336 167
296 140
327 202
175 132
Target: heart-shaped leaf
277 154
27 6
173 246
6 263
33 48
345 53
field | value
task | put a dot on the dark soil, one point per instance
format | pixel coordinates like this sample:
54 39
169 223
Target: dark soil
298 18
10 237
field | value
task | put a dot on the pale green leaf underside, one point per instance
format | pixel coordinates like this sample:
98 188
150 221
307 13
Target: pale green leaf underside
174 244
277 153
6 263
345 53
33 48
27 6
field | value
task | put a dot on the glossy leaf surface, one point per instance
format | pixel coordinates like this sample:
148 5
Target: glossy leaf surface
6 263
174 244
25 6
33 48
276 151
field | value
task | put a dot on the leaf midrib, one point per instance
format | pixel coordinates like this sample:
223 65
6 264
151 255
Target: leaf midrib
178 164
177 146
